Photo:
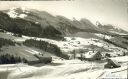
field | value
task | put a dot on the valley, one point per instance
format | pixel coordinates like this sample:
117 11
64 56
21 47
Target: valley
35 45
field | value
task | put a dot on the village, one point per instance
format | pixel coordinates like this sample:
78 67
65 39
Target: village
64 39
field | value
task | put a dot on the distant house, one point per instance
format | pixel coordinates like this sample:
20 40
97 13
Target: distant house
32 60
44 57
112 64
91 56
40 59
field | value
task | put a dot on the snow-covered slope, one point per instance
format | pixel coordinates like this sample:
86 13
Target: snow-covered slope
70 43
14 14
64 69
75 43
60 68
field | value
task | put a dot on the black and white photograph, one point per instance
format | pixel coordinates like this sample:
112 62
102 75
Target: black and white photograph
64 39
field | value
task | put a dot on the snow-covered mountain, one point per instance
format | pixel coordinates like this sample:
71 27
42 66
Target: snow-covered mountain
27 33
61 23
14 13
42 24
112 29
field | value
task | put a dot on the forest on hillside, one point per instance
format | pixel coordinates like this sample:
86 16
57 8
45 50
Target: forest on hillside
6 42
46 46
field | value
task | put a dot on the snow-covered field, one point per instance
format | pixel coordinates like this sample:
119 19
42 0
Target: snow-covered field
70 44
63 69
66 69
74 43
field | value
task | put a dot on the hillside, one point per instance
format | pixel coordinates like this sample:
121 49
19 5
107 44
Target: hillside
32 37
61 23
40 24
33 23
21 26
18 47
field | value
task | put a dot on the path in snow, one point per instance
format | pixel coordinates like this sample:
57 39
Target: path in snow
65 69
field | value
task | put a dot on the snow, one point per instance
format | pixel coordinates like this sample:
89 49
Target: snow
73 43
36 22
22 15
121 59
9 33
13 14
19 39
118 33
120 73
67 45
67 69
26 37
32 51
89 54
103 36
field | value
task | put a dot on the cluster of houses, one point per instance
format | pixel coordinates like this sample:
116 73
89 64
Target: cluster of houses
84 56
95 56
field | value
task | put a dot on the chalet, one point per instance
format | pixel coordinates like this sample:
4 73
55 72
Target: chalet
41 58
91 56
44 57
112 64
32 60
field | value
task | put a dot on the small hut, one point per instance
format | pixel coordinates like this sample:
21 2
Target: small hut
112 64
32 60
44 57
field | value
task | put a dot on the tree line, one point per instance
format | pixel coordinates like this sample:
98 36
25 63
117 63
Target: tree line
45 46
4 42
10 59
28 28
114 43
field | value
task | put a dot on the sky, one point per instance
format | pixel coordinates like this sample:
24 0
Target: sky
113 12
